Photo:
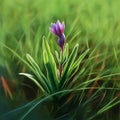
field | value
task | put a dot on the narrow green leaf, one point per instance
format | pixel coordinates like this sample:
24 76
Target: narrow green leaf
76 64
33 63
45 57
66 52
108 106
34 80
68 66
33 66
37 71
50 75
79 60
57 56
51 61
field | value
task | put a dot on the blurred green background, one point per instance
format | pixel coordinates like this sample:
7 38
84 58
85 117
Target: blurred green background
94 24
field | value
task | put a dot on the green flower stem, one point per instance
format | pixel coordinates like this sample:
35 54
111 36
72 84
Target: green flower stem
62 49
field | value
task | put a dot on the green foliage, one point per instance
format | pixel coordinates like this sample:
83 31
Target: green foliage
89 85
60 92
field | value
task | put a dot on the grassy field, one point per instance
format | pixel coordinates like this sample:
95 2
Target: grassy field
92 92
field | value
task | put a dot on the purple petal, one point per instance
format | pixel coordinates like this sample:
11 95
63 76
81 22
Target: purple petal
61 40
58 28
53 25
53 28
62 27
52 31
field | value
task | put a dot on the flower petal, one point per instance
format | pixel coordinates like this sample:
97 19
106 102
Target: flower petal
58 28
52 31
61 40
62 27
53 28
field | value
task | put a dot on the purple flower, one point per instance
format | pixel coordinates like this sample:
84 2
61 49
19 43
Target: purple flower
58 30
